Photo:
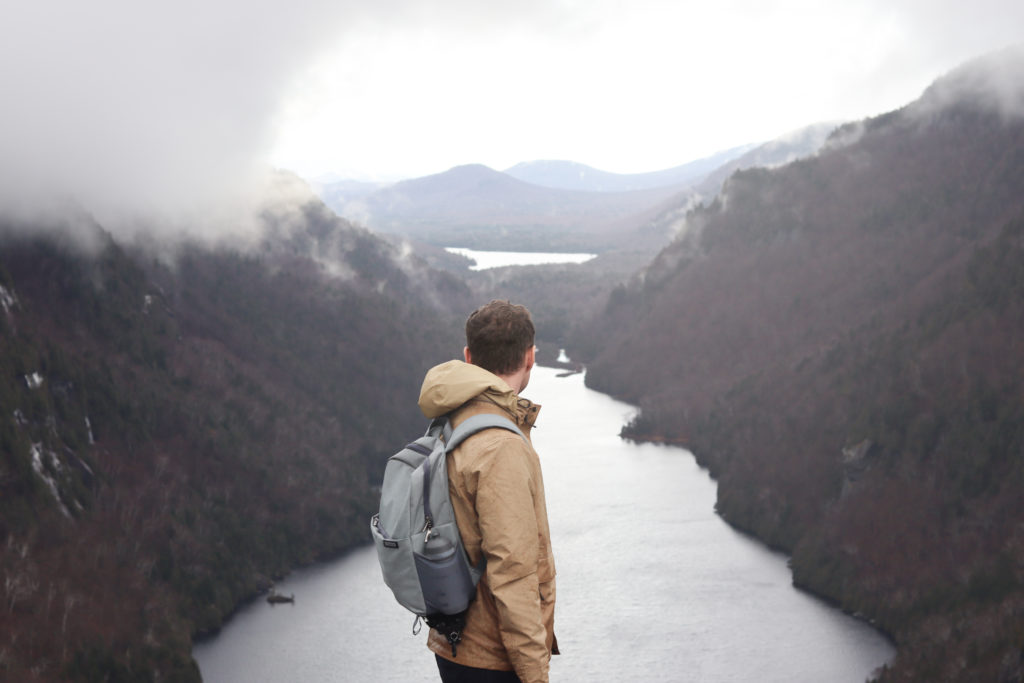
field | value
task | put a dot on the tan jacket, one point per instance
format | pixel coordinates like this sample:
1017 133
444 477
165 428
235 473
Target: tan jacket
497 492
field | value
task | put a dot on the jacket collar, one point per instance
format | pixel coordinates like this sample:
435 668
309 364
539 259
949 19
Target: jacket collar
450 385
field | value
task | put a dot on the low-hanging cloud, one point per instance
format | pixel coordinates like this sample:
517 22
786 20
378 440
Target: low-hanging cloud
144 112
994 81
135 110
149 112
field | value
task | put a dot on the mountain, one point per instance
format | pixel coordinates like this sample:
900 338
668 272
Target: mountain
838 341
797 144
553 205
569 175
183 423
644 233
478 207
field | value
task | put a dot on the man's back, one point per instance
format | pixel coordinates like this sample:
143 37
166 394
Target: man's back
497 491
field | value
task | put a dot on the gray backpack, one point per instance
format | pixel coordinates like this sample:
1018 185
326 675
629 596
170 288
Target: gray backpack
418 543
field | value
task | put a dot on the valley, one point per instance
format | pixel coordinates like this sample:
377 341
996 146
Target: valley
832 323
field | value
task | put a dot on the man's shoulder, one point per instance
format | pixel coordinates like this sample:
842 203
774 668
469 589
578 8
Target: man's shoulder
479 406
489 440
498 438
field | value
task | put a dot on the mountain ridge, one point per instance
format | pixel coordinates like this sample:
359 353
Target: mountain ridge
477 207
835 341
183 426
571 175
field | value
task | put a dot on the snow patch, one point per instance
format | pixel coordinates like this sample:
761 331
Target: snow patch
92 439
85 465
34 381
40 469
7 299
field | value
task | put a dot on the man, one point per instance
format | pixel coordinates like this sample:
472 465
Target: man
497 492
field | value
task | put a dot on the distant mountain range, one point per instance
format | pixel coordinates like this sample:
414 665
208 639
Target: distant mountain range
546 205
476 206
569 175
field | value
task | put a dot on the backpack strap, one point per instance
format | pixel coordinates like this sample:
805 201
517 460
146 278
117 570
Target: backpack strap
440 426
476 423
469 427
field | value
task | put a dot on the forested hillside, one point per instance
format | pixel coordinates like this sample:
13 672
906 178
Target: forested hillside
841 341
180 426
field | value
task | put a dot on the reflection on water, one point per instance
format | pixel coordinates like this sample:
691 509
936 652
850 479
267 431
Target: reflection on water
652 585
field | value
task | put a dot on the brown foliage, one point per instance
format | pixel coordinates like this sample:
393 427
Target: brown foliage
205 426
871 293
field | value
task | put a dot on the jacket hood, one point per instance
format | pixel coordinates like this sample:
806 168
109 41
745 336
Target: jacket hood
449 385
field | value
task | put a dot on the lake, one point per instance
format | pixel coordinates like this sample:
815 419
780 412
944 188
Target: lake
652 584
497 259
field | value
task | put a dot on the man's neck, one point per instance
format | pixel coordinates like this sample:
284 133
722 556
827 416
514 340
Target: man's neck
515 380
518 379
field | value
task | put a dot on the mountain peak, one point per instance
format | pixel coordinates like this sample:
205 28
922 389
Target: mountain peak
469 169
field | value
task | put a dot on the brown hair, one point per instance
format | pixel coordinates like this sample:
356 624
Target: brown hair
498 335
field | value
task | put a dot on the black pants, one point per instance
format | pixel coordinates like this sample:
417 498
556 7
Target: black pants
458 673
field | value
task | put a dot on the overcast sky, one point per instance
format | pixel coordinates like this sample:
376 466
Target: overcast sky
174 103
626 86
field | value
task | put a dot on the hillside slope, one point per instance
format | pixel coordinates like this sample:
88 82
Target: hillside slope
797 144
839 341
177 431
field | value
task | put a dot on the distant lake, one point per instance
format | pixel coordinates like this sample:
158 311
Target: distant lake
652 584
498 259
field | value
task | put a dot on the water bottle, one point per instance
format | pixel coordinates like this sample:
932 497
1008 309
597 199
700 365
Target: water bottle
444 576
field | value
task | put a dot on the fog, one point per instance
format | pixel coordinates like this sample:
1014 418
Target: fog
160 116
142 113
994 81
163 117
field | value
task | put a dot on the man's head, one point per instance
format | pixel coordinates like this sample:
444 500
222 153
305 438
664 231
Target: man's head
499 338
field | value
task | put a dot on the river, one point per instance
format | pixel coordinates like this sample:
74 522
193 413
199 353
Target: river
652 584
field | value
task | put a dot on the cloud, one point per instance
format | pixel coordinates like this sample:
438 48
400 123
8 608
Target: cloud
167 112
994 81
136 109
624 87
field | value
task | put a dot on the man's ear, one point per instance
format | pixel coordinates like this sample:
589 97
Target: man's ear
531 357
465 353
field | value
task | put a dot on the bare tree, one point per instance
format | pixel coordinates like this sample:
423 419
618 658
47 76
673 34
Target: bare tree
20 583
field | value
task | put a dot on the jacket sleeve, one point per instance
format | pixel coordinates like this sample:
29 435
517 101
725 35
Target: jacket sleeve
510 539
